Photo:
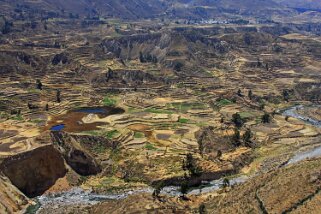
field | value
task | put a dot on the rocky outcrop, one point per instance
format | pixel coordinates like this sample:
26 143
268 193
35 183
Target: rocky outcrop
89 142
20 62
125 77
34 171
133 76
128 47
80 160
61 58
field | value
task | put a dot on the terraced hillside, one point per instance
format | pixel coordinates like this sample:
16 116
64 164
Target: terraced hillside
170 116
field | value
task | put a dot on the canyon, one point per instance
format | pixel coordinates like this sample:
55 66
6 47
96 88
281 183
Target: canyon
160 107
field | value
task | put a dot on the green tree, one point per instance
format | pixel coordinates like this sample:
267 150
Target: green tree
158 190
236 137
190 165
262 106
286 95
247 136
237 120
239 93
141 57
39 85
178 66
200 143
259 63
58 96
7 27
184 188
219 153
109 74
250 94
266 118
202 209
154 60
247 39
226 182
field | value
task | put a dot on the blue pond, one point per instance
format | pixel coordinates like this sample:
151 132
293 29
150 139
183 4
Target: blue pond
57 128
92 110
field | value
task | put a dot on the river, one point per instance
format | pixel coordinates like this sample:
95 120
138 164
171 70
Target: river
311 153
293 112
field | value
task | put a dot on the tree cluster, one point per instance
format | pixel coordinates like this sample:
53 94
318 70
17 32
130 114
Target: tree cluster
190 165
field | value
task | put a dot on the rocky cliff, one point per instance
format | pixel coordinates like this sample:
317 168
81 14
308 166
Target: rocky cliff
80 160
33 172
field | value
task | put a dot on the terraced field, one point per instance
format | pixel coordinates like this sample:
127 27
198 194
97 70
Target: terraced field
147 116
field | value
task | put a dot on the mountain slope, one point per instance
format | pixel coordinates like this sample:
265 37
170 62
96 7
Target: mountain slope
306 4
107 8
135 9
217 8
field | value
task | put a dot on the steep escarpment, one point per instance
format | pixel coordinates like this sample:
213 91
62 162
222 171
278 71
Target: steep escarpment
20 62
177 49
80 160
33 172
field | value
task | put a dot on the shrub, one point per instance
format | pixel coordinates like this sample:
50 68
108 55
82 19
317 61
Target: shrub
226 182
183 120
266 118
202 209
109 102
247 136
184 188
236 137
